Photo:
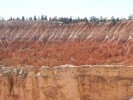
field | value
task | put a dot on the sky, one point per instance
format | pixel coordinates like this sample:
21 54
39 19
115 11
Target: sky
66 8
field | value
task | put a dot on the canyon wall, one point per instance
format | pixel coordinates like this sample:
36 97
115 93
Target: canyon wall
39 43
100 52
67 82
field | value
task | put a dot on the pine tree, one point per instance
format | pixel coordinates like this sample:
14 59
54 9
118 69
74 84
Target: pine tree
50 19
130 17
30 18
23 18
113 20
42 17
45 18
35 18
85 20
17 18
70 20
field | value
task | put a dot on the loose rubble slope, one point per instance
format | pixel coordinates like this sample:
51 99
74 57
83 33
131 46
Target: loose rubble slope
39 43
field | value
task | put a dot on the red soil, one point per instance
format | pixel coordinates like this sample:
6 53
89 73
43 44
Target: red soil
41 43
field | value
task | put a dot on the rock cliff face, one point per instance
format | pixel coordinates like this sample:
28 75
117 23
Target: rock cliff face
100 52
67 82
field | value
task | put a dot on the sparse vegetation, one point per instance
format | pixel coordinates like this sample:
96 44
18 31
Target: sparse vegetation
68 20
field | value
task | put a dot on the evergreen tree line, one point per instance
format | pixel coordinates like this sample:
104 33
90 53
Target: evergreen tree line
67 20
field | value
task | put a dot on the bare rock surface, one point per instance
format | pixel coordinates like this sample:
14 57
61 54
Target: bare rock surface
67 83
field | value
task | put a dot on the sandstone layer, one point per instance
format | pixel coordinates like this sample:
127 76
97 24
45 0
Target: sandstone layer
67 82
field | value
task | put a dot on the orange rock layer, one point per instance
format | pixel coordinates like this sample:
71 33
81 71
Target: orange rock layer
67 82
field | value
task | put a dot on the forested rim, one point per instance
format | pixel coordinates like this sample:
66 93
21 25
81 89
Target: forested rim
67 20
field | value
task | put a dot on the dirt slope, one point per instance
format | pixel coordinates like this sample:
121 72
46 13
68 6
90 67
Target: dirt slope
41 43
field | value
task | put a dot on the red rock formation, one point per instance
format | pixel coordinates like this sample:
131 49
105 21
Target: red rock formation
35 43
40 43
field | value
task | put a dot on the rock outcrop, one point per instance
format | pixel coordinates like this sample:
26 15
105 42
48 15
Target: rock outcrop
100 82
